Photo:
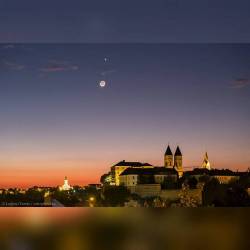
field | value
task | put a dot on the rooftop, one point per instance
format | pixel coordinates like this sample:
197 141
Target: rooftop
168 151
213 172
178 152
149 171
132 164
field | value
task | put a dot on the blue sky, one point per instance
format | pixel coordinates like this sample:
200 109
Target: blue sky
55 116
100 21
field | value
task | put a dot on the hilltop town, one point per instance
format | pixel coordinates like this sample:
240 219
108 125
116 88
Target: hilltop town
171 183
138 184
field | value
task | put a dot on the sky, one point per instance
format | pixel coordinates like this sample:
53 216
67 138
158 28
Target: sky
147 21
57 121
177 72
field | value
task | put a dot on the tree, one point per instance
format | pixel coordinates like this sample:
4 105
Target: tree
237 196
244 180
105 178
231 194
33 195
187 199
169 183
204 178
115 195
67 198
214 193
192 182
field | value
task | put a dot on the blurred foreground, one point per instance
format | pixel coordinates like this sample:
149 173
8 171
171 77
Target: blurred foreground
123 228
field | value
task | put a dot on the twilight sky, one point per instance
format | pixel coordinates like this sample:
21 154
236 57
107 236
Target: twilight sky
57 121
125 21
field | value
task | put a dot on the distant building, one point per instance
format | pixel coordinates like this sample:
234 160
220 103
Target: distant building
118 168
65 186
206 163
224 176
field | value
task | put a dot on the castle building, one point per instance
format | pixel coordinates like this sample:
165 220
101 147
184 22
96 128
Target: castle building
170 162
118 168
134 176
206 163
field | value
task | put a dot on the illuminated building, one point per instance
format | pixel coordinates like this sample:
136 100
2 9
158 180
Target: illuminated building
175 161
170 162
65 186
157 175
206 163
178 161
168 158
118 168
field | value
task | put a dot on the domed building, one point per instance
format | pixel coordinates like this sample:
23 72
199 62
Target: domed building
65 186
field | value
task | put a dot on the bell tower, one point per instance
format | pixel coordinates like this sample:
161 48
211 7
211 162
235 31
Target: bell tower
178 161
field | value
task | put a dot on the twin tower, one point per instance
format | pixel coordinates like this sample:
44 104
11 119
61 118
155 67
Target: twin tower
175 161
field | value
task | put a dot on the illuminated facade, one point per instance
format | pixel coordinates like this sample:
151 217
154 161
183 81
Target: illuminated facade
157 175
178 161
168 158
65 186
170 162
118 168
175 161
206 163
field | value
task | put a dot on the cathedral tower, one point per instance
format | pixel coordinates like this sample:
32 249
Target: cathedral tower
178 161
168 158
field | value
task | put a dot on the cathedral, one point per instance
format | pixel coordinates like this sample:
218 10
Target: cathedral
174 161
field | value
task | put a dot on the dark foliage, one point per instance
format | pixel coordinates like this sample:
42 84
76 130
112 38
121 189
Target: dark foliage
115 195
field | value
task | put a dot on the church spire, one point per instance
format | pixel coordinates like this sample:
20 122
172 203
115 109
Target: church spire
168 151
206 163
178 152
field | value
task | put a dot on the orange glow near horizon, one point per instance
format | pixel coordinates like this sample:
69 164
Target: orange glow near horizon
25 177
51 179
53 174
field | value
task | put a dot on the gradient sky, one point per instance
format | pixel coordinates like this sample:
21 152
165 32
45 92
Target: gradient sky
57 121
125 21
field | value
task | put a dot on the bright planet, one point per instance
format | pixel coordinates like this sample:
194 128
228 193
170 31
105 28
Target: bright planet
102 84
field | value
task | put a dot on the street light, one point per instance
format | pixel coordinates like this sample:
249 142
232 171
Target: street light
91 201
